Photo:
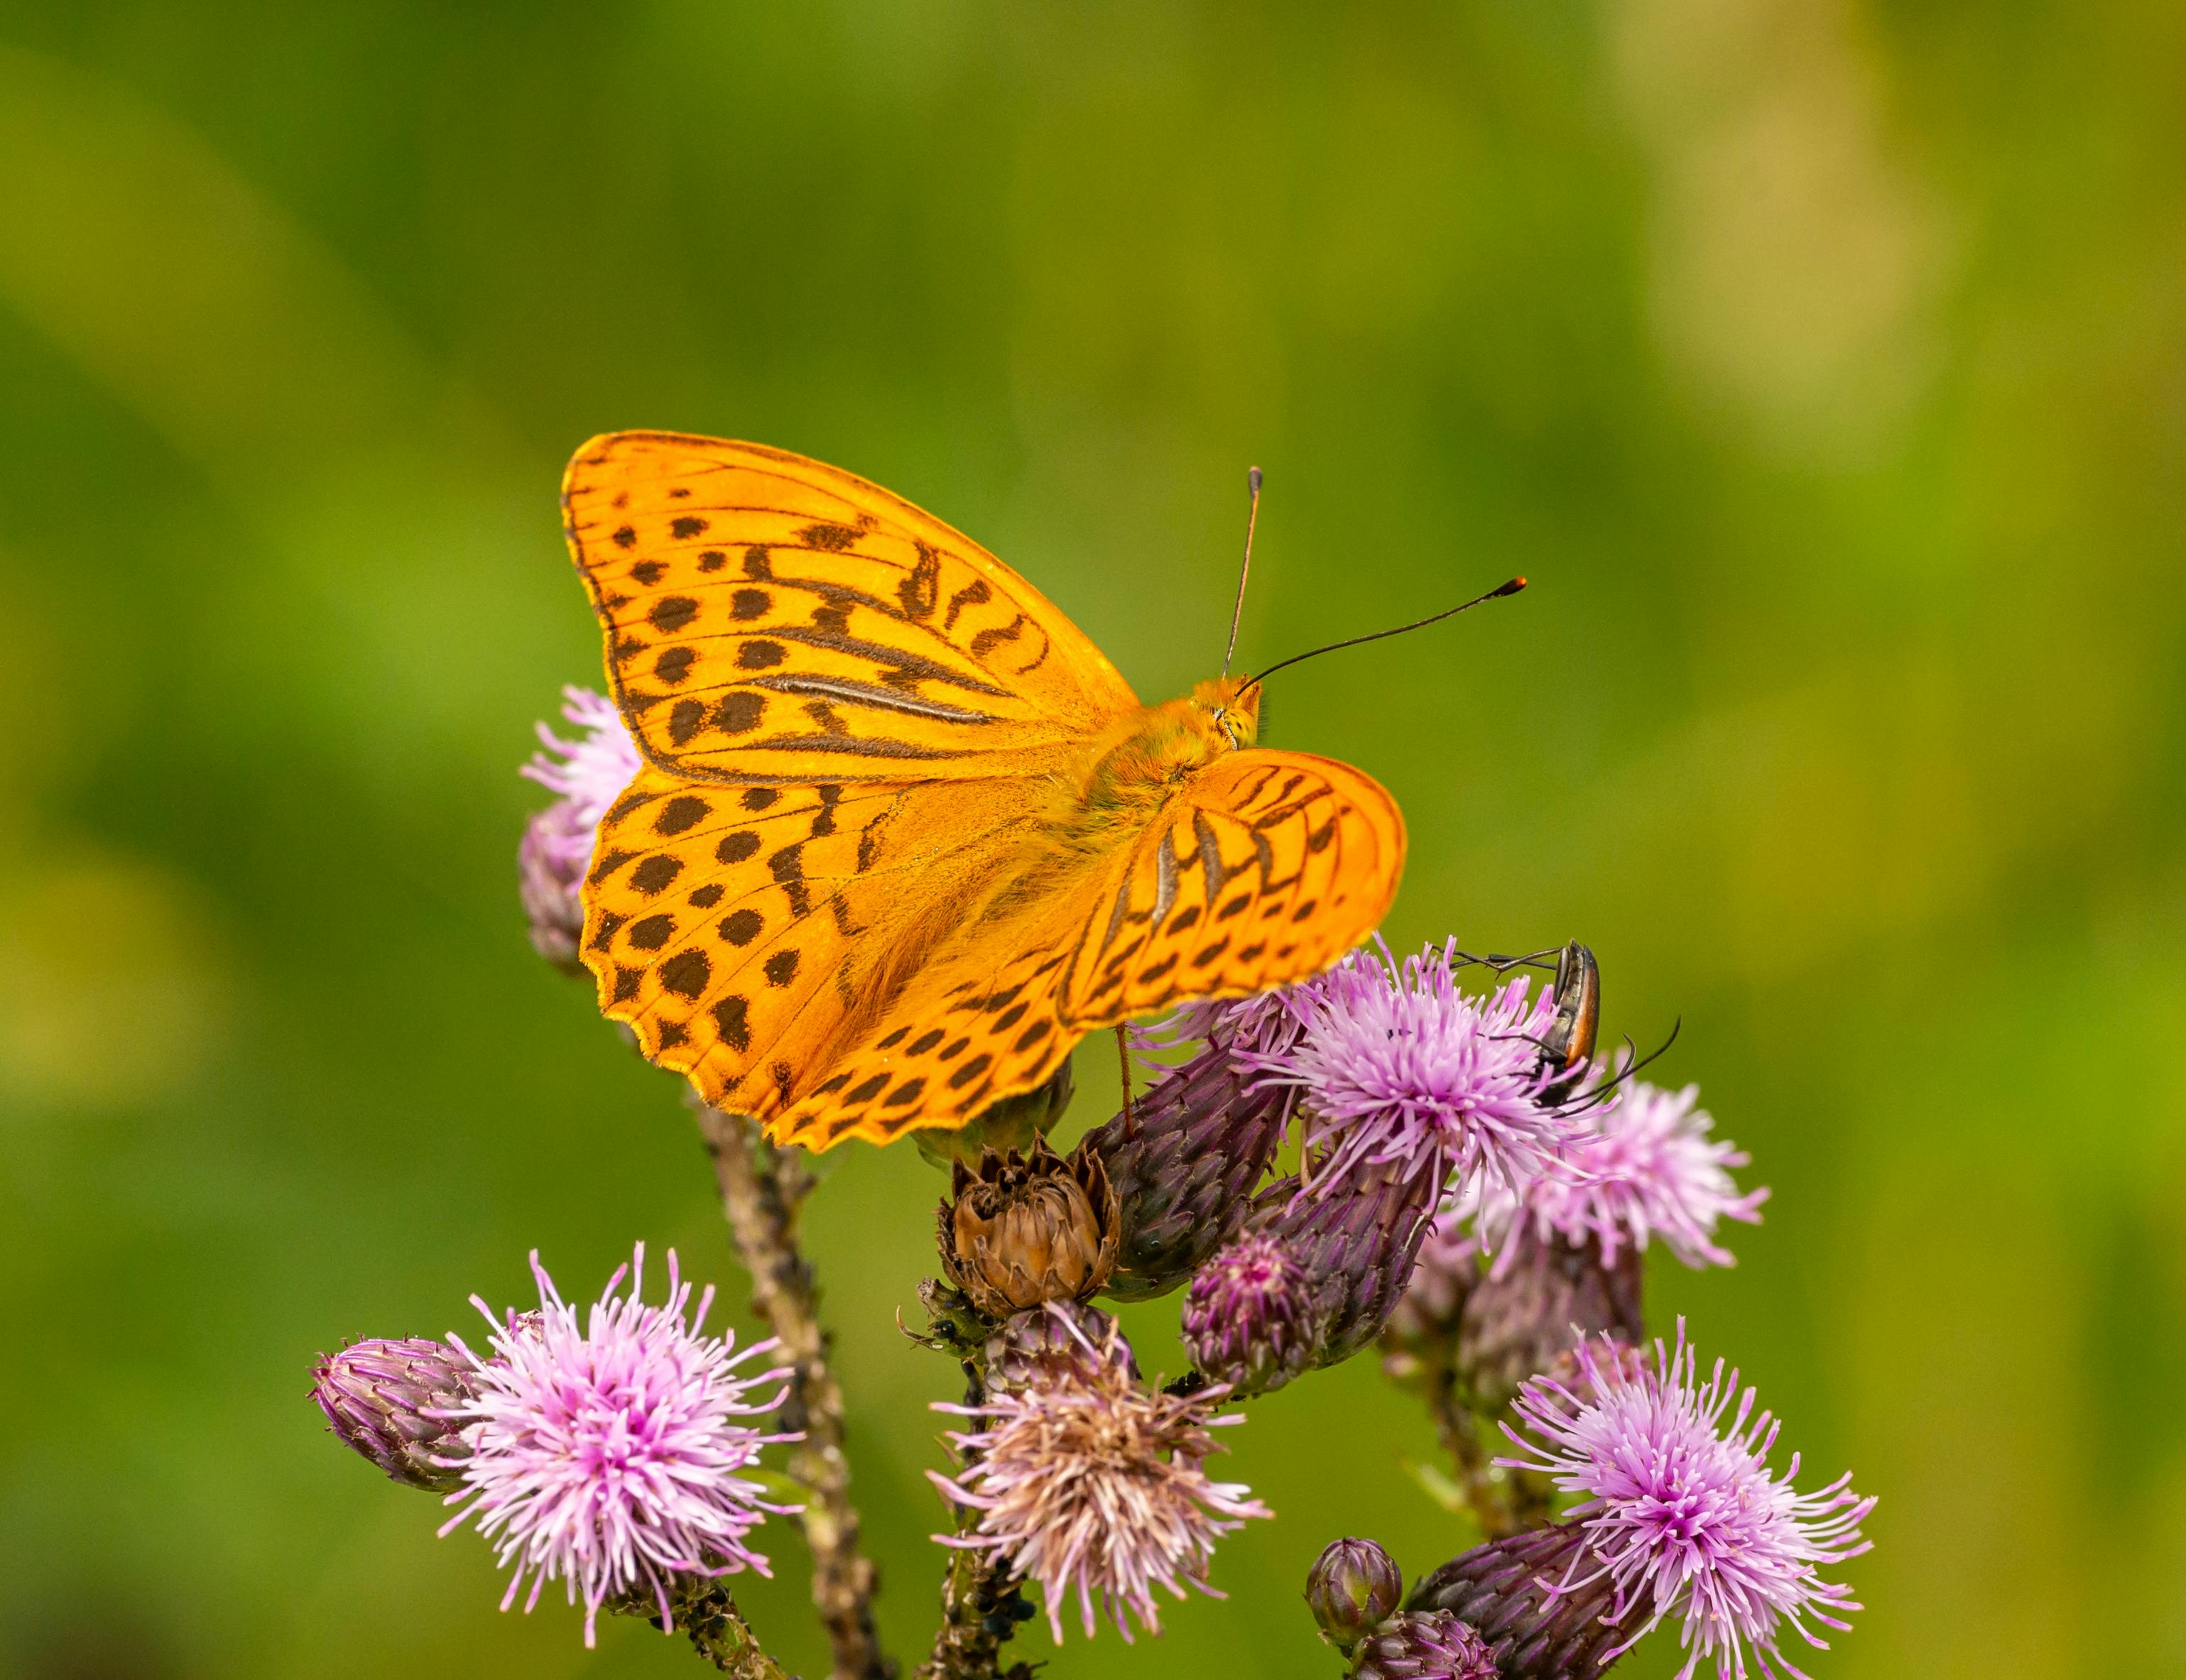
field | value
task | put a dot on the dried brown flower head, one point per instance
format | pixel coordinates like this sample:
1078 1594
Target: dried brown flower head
1020 1229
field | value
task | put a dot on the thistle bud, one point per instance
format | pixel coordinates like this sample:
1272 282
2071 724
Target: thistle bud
1059 1340
1356 1237
1185 1158
1021 1229
1429 1645
1540 1298
1252 1317
383 1400
1353 1589
1541 1601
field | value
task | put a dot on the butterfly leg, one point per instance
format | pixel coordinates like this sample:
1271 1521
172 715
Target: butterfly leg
1123 1057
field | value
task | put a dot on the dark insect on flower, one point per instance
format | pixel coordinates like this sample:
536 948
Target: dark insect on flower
1352 1590
1567 1047
1397 1068
390 1401
1253 1318
1424 1645
1022 1230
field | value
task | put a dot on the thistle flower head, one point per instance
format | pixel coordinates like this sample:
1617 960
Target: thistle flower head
1424 1645
1265 1024
1091 1484
605 1451
1252 1318
1680 1512
1018 1229
590 771
1353 1587
557 847
1399 1068
389 1400
1052 1342
1645 1167
1185 1156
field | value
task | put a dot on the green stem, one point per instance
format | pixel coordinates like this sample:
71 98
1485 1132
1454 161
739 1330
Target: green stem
761 1191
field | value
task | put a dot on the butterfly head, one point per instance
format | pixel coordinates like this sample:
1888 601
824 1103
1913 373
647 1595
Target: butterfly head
1231 707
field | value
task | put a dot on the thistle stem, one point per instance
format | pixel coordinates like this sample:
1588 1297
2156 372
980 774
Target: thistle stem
760 1193
707 1616
1458 1429
980 1604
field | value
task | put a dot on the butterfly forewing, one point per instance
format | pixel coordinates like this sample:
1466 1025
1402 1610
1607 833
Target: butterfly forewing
772 619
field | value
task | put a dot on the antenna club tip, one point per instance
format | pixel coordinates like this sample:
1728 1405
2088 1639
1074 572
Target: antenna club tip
1512 587
1253 477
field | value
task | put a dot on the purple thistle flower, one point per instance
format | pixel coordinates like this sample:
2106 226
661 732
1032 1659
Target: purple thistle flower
1644 1168
1252 1318
557 846
606 1452
1090 1483
1399 1068
1681 1515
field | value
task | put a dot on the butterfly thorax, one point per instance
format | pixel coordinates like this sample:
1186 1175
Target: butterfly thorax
1133 766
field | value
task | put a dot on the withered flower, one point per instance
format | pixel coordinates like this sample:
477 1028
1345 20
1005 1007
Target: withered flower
1020 1229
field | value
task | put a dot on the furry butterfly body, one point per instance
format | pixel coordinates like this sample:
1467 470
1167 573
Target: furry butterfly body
903 834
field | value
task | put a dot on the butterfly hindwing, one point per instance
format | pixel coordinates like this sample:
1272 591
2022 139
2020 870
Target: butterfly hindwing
746 934
772 619
1263 868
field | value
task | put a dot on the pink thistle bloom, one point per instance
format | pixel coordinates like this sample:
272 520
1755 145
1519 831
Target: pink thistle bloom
1647 1168
605 1452
589 773
1681 1513
1093 1484
1399 1067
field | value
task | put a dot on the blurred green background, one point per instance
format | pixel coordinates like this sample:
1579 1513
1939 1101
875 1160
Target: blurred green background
1823 363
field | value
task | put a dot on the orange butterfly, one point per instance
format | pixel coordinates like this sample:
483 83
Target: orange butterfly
903 834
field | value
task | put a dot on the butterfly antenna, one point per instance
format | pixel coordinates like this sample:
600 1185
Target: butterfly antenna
1510 588
1245 571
